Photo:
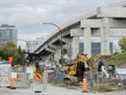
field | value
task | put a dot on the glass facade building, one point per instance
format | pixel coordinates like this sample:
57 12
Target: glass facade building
8 33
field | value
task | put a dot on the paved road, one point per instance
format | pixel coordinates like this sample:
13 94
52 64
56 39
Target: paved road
53 91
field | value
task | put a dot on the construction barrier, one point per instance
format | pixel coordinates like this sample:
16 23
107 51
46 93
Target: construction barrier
13 79
85 86
22 81
4 75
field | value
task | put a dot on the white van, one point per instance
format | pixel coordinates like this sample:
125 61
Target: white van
121 72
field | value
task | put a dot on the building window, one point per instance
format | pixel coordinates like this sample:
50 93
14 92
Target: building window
95 32
95 48
0 34
11 34
81 47
111 47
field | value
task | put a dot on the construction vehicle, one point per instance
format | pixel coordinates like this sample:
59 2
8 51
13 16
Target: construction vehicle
75 70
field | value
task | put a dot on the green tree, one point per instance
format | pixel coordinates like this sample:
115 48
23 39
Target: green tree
10 49
122 44
19 56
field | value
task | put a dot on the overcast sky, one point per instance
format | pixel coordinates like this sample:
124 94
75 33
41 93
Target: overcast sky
27 15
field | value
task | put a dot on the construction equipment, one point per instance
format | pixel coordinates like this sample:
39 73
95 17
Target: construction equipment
75 70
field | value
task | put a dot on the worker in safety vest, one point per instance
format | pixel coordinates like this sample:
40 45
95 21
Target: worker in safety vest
37 87
82 66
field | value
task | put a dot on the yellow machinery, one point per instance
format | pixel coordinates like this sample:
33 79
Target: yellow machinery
76 70
81 59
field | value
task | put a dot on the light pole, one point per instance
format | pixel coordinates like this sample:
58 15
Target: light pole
61 46
61 36
58 27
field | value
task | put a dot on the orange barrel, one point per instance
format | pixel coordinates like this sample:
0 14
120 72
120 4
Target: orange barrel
13 80
85 86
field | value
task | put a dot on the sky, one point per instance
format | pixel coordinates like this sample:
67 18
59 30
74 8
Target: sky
28 15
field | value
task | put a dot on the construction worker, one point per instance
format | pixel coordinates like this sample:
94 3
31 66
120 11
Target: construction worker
82 66
37 81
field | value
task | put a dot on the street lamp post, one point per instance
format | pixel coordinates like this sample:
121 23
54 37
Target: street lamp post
61 46
61 36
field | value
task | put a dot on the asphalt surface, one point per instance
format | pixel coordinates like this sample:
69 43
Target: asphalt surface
53 90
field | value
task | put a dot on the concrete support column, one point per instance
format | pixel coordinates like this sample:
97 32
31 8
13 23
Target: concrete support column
57 55
75 47
87 40
105 31
69 48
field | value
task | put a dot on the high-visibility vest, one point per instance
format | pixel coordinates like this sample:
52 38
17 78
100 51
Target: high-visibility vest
37 76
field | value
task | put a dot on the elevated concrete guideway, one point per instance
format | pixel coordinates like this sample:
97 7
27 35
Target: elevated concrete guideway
53 44
93 34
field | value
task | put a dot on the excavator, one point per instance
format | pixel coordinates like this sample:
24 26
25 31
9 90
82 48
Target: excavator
75 71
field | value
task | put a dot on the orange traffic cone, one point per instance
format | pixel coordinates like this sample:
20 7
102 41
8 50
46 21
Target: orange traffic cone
85 86
13 85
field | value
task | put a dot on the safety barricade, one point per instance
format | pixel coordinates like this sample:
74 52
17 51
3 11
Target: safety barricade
22 81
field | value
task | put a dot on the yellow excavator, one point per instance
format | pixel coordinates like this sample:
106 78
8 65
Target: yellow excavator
75 70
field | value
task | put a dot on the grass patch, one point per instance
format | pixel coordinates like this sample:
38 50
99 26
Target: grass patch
57 83
117 59
106 87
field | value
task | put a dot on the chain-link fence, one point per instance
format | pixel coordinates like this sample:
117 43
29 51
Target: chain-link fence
22 81
116 81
